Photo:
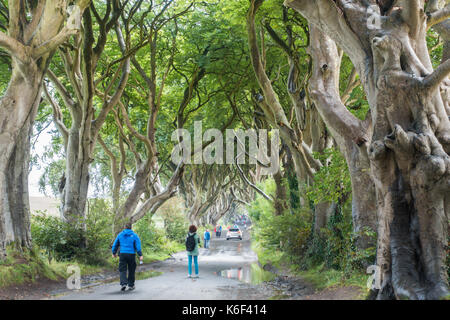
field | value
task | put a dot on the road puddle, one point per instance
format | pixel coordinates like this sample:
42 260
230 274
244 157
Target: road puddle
252 274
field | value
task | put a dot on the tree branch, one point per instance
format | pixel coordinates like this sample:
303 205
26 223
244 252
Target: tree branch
153 203
72 26
65 95
438 16
31 27
14 47
253 186
98 122
130 127
57 117
324 89
411 13
352 83
275 37
14 18
329 18
111 156
130 143
433 80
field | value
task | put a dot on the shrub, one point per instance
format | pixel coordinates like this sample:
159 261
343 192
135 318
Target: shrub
175 223
151 237
336 246
176 227
87 240
288 232
332 182
98 234
58 239
291 233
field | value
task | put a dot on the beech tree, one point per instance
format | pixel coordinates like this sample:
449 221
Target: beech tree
348 131
81 62
147 180
409 146
308 133
35 29
304 163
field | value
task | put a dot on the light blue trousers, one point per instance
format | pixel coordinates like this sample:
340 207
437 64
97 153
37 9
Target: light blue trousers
190 264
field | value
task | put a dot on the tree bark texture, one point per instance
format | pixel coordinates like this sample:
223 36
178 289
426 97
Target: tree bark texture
409 146
31 44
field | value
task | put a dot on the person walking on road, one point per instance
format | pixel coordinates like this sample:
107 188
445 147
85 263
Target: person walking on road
129 244
192 245
206 238
220 231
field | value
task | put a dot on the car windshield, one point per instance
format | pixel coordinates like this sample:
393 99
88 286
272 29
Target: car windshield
234 230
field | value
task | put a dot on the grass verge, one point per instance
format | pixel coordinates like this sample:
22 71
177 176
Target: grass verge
319 276
24 267
323 278
268 256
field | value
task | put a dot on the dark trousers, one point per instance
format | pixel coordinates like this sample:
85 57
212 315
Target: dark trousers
127 261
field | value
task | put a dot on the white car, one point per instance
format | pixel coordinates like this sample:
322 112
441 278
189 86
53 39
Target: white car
234 233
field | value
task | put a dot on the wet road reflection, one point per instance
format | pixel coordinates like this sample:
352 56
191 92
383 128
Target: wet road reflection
242 274
250 273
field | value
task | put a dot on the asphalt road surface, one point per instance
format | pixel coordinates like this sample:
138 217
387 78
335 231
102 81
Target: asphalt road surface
224 271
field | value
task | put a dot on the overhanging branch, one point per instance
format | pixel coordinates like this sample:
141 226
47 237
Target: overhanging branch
253 186
433 80
14 47
438 16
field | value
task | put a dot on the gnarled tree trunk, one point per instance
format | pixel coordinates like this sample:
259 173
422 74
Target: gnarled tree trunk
304 163
410 144
21 100
81 65
30 42
74 187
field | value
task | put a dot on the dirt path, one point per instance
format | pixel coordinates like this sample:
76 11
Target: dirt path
221 266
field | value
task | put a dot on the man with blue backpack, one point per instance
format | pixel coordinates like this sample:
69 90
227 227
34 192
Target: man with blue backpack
129 244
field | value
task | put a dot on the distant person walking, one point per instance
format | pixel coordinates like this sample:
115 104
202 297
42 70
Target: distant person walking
192 245
216 229
220 231
206 238
129 244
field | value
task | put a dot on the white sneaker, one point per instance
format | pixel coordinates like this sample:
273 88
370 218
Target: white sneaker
196 276
189 276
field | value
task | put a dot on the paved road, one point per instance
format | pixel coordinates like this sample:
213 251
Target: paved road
220 268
